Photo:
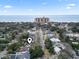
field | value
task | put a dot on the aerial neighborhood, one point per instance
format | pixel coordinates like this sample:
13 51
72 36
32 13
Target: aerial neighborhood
40 39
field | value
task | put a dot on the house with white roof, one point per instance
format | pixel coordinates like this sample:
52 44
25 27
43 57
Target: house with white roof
20 55
75 43
34 29
50 34
72 34
57 50
23 54
60 45
55 40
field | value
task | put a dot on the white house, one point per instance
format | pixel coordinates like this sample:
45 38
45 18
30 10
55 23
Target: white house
31 32
20 55
75 43
72 34
57 50
60 45
55 40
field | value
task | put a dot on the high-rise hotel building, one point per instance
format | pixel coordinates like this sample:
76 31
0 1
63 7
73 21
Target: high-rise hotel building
41 20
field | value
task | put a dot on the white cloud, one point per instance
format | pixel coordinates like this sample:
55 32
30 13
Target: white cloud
0 5
44 3
66 0
30 9
7 6
5 11
62 0
0 10
70 6
59 0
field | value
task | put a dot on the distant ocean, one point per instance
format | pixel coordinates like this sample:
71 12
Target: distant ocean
30 18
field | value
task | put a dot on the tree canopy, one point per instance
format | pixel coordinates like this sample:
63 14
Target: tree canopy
36 52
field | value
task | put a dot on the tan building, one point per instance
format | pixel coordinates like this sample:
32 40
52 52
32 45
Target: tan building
42 20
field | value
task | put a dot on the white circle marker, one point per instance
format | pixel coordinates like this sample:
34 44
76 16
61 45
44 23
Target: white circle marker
29 40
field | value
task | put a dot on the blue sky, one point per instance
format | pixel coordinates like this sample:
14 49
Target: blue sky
39 7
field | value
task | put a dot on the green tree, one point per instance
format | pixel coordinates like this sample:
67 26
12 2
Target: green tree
23 38
61 36
13 48
4 41
75 29
51 50
5 58
75 46
3 44
36 52
48 43
67 39
49 46
54 28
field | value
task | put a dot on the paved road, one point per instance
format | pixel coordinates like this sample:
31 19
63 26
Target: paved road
41 39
